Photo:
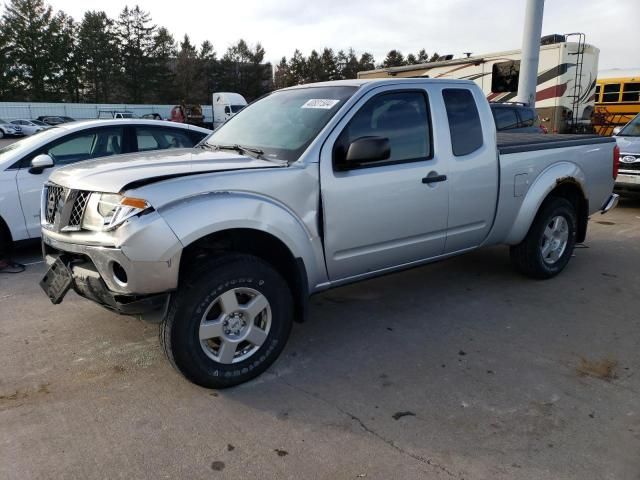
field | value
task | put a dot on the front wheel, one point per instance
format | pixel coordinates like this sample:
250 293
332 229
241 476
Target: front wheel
1 134
549 244
228 322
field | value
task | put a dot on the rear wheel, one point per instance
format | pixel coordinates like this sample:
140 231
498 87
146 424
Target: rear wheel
1 134
229 322
549 244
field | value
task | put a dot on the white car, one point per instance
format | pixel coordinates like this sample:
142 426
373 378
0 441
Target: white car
26 165
8 129
29 127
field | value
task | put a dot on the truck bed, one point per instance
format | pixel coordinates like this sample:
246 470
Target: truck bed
526 142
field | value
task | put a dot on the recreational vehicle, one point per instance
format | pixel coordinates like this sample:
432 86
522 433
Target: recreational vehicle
566 79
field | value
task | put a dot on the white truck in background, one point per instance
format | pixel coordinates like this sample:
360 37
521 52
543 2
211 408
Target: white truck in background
226 105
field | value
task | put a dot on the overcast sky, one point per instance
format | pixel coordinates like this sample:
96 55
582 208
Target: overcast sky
443 26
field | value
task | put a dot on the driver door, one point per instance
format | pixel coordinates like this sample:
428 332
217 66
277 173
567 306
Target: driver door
74 148
388 213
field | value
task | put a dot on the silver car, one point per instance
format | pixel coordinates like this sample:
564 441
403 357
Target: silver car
29 127
628 139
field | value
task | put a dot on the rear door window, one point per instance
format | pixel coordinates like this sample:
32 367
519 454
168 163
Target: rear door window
161 138
464 121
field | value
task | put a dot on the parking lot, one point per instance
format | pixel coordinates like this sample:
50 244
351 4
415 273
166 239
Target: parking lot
460 369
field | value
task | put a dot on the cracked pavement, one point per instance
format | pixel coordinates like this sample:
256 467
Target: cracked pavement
461 369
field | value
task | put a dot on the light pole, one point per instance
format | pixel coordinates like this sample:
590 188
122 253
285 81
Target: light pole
532 31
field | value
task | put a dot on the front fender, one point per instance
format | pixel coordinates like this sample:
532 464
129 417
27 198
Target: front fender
547 181
201 215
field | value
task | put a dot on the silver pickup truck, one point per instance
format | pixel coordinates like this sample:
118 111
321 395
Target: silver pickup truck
309 188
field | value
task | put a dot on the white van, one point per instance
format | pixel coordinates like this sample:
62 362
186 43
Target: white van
225 106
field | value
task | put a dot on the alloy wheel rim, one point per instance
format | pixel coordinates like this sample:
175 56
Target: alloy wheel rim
235 325
554 239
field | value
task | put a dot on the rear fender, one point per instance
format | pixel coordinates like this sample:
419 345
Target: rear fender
549 179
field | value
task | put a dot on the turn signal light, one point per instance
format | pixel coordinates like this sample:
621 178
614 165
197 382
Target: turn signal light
134 202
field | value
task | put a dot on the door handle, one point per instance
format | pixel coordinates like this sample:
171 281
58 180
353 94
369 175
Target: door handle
434 178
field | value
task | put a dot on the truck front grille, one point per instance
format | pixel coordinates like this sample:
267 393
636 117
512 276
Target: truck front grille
80 203
55 195
63 208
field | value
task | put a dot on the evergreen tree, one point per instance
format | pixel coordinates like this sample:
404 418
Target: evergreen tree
348 64
298 68
366 62
329 65
315 71
97 56
163 80
187 71
422 56
6 73
37 44
136 38
393 59
282 77
67 78
209 70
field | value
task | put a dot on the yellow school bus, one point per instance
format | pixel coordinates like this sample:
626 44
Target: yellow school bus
617 99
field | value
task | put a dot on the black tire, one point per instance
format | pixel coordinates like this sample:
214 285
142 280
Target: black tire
1 134
179 332
6 244
527 256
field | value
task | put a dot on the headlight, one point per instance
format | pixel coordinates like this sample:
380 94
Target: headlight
106 211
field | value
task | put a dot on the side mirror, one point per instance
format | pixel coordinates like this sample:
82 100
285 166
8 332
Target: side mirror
227 110
366 150
39 163
617 130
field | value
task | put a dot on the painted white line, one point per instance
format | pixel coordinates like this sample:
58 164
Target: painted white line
33 263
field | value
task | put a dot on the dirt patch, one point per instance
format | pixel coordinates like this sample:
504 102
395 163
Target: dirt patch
605 223
281 453
604 369
217 466
10 400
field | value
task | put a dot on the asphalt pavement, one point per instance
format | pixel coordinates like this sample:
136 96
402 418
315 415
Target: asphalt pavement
458 370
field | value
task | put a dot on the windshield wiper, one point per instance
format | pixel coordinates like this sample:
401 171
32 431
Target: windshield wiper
252 152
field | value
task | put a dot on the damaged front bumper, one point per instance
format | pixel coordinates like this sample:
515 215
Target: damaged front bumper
108 277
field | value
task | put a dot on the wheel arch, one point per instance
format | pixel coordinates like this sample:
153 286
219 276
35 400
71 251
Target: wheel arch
258 243
564 180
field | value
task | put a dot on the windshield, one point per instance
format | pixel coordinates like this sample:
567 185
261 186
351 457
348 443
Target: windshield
29 142
38 122
3 121
631 129
284 123
236 108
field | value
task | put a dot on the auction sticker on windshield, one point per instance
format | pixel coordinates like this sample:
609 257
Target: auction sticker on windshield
324 103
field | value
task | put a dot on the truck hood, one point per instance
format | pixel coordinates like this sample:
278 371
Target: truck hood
629 144
121 172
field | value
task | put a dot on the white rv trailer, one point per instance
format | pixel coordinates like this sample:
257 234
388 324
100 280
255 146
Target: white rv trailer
567 74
